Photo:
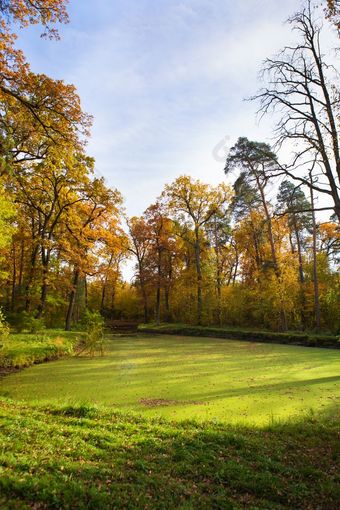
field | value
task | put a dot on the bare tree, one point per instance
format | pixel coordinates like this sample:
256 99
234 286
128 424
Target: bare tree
303 88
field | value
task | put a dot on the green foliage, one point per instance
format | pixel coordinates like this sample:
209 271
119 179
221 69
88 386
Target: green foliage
93 342
7 211
91 318
77 457
4 327
24 321
33 324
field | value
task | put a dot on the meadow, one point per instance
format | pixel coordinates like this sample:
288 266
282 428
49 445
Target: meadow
234 382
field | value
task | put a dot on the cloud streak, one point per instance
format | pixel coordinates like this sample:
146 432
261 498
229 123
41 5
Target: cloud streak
165 82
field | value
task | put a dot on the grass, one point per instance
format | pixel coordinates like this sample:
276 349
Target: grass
21 350
190 378
308 339
81 457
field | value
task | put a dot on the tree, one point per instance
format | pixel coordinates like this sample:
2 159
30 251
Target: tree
93 218
292 202
47 191
139 246
256 162
303 89
194 204
26 12
333 13
161 247
37 112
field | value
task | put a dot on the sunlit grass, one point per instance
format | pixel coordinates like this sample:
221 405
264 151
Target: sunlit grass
185 378
21 350
84 457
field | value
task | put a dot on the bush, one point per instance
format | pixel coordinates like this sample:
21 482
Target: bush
4 327
24 321
93 323
91 318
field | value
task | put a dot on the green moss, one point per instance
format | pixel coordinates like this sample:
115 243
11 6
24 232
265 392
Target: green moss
190 378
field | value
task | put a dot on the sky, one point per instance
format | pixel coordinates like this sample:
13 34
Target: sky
165 81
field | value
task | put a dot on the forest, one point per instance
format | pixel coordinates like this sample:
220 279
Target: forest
260 249
196 404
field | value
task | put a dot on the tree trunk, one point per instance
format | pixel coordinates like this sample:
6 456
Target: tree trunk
236 265
158 291
30 278
45 256
199 277
283 316
301 273
14 278
86 293
72 300
102 301
315 267
145 305
21 265
167 287
218 286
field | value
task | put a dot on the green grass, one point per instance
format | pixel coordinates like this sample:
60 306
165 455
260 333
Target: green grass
309 339
190 378
79 457
24 349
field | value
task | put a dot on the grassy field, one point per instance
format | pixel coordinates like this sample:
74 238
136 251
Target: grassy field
185 377
78 457
21 350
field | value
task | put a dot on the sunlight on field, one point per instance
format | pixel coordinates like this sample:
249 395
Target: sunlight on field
185 377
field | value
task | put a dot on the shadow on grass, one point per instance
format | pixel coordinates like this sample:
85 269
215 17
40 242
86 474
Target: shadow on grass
81 458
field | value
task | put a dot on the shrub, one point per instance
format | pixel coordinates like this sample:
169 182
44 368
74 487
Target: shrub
91 318
93 323
4 327
24 321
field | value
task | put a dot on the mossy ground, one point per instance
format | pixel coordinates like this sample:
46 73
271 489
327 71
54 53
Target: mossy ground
69 453
185 378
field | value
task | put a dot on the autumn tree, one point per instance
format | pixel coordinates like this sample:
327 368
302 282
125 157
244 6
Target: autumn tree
139 246
244 206
292 202
333 13
256 163
47 191
37 112
92 222
193 205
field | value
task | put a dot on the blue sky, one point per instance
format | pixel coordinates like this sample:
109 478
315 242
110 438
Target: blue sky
165 82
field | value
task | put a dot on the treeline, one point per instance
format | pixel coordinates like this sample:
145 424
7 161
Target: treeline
251 254
216 255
